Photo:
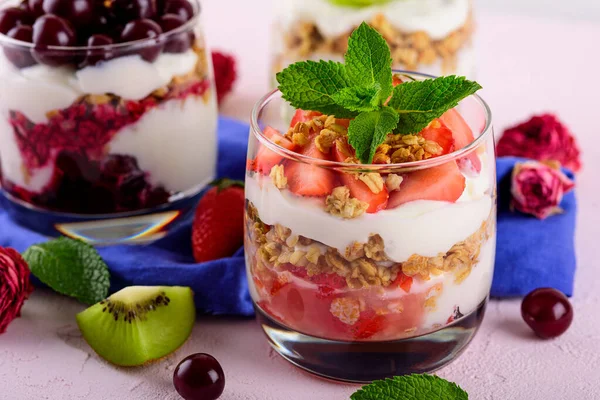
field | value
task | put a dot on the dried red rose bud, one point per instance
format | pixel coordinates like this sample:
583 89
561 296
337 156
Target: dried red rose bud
15 286
541 138
538 188
225 73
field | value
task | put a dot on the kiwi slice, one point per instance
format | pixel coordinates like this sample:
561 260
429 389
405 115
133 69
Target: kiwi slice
139 323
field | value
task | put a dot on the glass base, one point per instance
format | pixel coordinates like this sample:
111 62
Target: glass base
136 227
363 362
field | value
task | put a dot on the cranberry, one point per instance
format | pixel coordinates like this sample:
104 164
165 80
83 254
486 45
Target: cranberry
50 30
144 29
180 42
20 57
183 8
96 55
13 16
199 377
547 311
79 13
129 10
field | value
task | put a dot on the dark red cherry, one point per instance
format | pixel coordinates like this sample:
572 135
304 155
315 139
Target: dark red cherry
180 42
144 29
36 7
20 57
547 311
129 10
96 55
13 16
79 13
183 8
199 377
50 30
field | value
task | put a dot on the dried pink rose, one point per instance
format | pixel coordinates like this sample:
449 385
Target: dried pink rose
15 286
541 138
537 188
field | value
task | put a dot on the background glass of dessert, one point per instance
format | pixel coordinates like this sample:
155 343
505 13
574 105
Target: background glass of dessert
107 116
428 36
360 272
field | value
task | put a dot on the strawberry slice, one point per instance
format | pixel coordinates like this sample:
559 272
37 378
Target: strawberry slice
358 189
404 282
266 158
303 116
396 80
368 325
442 183
438 132
309 180
463 136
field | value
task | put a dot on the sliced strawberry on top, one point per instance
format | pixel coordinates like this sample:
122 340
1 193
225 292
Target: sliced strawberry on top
309 180
358 189
443 183
438 132
303 116
463 135
266 158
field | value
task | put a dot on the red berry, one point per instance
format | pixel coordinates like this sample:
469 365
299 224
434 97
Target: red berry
13 16
51 30
307 179
79 13
180 42
20 57
547 311
144 29
96 55
225 73
183 8
199 377
218 228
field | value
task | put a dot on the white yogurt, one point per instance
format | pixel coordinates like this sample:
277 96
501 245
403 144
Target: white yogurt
436 17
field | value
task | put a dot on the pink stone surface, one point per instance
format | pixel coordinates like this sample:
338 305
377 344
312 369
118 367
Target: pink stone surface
526 66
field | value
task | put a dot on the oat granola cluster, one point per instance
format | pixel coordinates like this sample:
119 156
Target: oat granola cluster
409 50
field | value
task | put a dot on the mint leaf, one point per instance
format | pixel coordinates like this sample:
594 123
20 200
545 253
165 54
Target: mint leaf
358 3
369 129
413 387
70 267
358 98
420 102
310 85
369 61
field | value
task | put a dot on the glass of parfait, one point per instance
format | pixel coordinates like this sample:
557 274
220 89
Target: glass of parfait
365 271
107 116
429 36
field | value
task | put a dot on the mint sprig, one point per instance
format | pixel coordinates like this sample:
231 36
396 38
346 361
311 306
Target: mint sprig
411 387
358 3
70 267
361 89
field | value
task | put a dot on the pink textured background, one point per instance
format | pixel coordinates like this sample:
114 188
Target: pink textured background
526 66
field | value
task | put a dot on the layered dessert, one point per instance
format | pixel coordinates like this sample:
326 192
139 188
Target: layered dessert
378 252
429 36
105 107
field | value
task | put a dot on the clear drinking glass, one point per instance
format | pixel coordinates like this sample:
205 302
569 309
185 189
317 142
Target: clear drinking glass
399 289
428 36
107 143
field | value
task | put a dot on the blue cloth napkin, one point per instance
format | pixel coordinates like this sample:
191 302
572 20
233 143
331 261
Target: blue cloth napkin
530 253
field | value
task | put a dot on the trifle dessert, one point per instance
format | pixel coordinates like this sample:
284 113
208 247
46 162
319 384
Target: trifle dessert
429 36
106 107
371 218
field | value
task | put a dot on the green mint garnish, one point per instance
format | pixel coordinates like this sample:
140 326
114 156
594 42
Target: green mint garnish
412 387
361 88
358 3
70 267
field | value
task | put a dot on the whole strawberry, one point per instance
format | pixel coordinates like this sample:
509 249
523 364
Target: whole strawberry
218 229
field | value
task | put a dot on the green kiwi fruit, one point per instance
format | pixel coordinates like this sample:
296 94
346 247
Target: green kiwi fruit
139 323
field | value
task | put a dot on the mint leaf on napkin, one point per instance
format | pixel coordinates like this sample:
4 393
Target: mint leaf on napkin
411 387
70 267
420 102
368 130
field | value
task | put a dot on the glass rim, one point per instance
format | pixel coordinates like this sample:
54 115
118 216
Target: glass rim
189 24
421 164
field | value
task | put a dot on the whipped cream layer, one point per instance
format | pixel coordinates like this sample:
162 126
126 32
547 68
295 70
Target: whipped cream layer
423 227
38 89
436 17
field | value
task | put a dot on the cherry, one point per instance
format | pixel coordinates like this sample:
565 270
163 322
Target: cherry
199 377
128 10
20 57
94 56
144 29
183 8
79 13
13 16
180 42
50 30
547 311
